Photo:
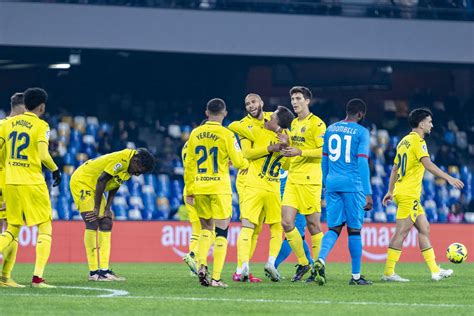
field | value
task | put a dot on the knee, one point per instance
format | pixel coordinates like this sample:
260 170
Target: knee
424 231
314 227
337 229
45 228
105 224
287 225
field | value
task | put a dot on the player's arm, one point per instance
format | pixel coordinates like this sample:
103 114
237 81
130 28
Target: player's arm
99 193
235 154
363 166
436 171
190 170
110 198
45 157
391 184
325 162
317 152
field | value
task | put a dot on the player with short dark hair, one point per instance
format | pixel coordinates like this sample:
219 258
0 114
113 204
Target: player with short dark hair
404 189
346 177
88 184
304 185
26 138
208 186
255 117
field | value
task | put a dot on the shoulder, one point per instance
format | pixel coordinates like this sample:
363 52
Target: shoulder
315 120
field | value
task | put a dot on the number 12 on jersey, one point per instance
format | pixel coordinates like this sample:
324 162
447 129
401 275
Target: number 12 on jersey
335 147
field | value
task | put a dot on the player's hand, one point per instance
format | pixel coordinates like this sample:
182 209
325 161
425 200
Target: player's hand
109 213
387 199
368 203
56 177
283 138
458 184
274 148
243 171
92 216
190 200
291 152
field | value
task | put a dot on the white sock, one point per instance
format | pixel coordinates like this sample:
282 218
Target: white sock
356 276
238 270
245 265
271 260
324 263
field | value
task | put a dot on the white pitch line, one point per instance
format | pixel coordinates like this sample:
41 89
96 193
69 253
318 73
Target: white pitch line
111 292
120 294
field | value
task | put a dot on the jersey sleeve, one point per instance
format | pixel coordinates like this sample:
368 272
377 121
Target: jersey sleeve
239 128
420 150
235 153
2 134
115 166
250 152
190 166
325 162
43 133
318 130
363 161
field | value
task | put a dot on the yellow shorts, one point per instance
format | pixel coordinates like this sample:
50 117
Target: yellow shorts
408 207
216 206
306 198
28 203
259 203
84 197
192 213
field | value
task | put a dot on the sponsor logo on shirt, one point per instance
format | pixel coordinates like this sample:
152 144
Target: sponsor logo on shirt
117 167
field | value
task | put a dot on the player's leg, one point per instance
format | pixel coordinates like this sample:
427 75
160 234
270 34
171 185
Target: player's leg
312 210
105 244
221 212
43 250
14 216
404 224
191 258
273 217
9 259
90 244
244 243
423 227
202 204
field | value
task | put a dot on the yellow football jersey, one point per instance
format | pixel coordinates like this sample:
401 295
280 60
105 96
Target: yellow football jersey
308 135
210 146
116 164
21 135
241 128
2 160
410 150
184 153
264 172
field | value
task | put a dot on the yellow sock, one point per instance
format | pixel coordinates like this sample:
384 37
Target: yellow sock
90 243
7 236
220 252
296 243
43 247
244 243
276 232
9 259
204 244
393 255
195 233
105 243
316 244
430 259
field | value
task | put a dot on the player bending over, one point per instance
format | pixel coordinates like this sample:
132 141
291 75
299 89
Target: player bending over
207 181
88 184
262 189
26 138
346 177
255 118
405 190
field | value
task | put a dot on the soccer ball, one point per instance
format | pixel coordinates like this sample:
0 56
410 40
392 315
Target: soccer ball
456 253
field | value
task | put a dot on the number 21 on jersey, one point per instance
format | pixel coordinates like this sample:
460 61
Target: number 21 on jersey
335 147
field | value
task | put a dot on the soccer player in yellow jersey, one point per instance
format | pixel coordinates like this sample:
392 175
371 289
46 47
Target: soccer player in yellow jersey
262 189
255 118
25 139
208 187
405 190
191 258
88 184
9 255
304 184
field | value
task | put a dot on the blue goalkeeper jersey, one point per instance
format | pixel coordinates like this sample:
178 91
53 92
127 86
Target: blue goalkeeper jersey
345 158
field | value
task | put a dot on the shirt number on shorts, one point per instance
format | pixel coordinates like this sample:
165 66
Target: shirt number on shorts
415 205
85 193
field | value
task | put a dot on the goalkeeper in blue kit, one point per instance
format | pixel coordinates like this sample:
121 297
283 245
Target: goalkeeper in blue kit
346 177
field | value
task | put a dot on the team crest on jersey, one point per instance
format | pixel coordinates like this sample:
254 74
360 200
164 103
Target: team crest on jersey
236 145
303 129
250 127
117 167
424 148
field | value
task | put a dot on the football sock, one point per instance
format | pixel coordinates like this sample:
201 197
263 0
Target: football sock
296 243
196 232
7 236
220 252
393 255
105 243
9 258
316 244
329 240
276 232
307 252
90 243
204 245
430 259
284 253
355 248
244 243
43 247
253 243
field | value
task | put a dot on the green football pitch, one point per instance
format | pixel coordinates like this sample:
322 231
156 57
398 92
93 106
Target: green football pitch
165 289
